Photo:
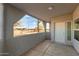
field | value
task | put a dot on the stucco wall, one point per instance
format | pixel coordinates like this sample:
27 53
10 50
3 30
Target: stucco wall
18 45
1 29
76 13
75 16
62 18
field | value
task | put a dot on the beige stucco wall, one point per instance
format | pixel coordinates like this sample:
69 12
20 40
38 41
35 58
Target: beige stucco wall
1 28
75 16
62 18
18 45
12 15
76 13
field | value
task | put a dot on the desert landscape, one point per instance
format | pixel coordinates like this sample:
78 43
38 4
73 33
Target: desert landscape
20 32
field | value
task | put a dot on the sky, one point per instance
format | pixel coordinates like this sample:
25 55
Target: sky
28 22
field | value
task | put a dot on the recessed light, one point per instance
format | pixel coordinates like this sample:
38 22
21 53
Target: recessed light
50 8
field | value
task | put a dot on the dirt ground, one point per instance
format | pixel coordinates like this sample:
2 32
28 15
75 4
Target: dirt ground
24 32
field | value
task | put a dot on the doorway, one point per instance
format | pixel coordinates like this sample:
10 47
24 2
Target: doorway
60 33
68 32
63 32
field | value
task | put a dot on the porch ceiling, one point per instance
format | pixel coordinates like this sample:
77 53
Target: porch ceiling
40 10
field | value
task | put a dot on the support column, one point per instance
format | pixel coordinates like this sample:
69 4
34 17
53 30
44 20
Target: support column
38 26
52 30
44 23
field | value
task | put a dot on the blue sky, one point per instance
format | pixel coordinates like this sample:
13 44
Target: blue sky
28 21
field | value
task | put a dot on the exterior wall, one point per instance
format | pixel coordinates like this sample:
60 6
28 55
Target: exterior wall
18 45
1 29
22 44
62 18
76 13
11 15
75 16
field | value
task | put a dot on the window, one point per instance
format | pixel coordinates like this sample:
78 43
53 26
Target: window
28 25
68 30
76 29
76 24
76 35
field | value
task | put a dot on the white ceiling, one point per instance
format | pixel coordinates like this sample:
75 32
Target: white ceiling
40 10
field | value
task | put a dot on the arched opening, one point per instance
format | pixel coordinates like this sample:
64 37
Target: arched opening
28 25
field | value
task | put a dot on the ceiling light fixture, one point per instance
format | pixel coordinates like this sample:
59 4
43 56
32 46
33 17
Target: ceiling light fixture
50 8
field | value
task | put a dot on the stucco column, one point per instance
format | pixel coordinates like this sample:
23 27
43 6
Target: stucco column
44 23
52 30
1 29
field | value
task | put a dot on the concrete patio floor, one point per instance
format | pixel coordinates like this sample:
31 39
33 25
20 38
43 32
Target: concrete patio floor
48 48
